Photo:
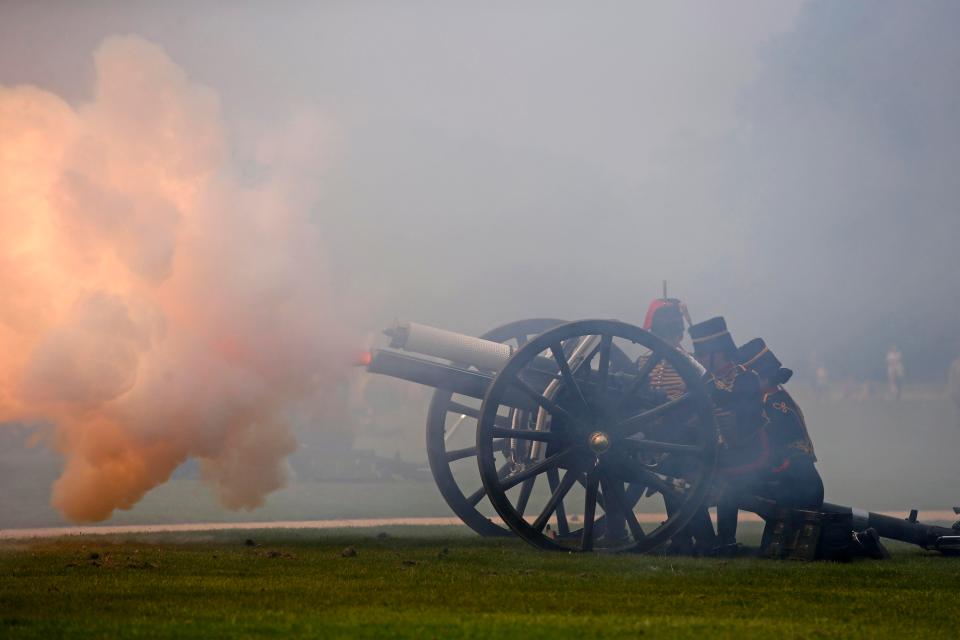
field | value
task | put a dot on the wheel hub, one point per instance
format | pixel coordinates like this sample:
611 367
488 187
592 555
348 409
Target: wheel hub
598 442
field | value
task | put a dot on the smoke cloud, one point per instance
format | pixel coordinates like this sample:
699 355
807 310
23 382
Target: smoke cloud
789 165
157 306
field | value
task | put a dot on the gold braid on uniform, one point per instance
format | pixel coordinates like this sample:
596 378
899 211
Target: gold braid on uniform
664 378
726 418
804 444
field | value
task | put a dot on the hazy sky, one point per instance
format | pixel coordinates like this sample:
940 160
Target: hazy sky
789 165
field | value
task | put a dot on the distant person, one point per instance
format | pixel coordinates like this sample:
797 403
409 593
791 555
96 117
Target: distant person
821 382
894 371
953 386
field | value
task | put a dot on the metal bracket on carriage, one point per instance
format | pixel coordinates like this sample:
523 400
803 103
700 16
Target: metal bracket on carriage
948 545
660 482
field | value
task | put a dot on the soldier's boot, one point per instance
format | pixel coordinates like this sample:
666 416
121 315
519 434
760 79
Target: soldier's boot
728 550
614 527
726 523
702 530
682 543
726 546
614 532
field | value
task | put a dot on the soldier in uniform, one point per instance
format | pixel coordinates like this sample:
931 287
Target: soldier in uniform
664 319
953 385
789 476
736 395
793 479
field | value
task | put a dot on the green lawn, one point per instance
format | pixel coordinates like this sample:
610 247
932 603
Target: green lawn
444 582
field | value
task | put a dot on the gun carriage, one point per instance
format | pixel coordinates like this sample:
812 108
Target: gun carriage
574 449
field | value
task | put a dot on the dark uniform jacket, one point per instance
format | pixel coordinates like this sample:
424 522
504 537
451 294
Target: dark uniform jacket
737 401
738 406
663 384
793 479
786 428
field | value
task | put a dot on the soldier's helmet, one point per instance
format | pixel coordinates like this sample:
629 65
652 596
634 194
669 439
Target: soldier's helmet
711 336
664 318
757 356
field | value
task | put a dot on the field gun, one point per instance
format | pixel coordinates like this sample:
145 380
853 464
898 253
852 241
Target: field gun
568 434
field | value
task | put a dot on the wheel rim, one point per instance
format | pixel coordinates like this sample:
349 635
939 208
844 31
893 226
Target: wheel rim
609 442
452 461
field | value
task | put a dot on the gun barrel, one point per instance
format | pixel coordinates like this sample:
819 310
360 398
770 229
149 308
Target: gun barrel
449 377
455 347
431 374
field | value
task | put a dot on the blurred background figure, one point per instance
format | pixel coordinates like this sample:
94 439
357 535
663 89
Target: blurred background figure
953 386
821 381
894 371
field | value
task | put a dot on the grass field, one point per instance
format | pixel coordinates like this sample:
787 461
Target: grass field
444 582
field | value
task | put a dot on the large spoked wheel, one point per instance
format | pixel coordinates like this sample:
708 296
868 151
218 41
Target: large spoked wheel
610 464
451 438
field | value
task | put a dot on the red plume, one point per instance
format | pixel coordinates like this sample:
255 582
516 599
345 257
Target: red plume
655 306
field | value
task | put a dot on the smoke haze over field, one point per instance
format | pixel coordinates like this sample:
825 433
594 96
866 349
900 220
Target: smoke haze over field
789 165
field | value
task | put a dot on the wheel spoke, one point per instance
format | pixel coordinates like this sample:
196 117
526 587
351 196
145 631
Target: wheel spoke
590 356
583 483
475 497
661 485
613 489
525 490
663 447
652 361
462 409
469 452
524 434
459 454
555 503
634 525
634 493
553 478
550 406
589 510
633 424
548 463
603 367
567 375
